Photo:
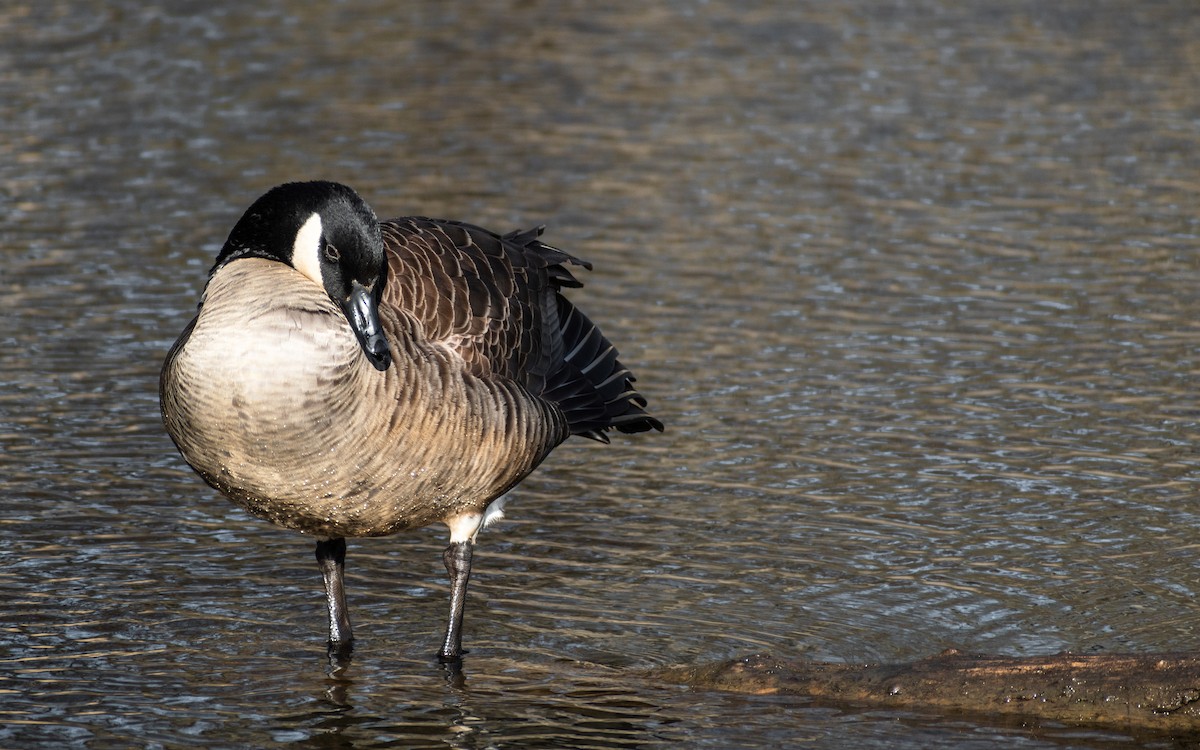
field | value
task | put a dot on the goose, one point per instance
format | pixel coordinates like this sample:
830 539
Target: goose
348 377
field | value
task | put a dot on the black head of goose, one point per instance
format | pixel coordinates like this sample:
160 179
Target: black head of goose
347 377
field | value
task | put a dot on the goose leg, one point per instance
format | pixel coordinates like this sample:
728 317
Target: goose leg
457 558
331 557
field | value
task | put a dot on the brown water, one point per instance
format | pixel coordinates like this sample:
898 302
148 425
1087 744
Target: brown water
914 286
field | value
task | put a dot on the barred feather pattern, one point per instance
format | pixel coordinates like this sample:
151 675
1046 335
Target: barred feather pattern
497 302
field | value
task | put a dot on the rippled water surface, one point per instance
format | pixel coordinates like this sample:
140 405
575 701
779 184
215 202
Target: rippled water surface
913 285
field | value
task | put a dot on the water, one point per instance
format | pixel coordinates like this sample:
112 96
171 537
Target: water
912 284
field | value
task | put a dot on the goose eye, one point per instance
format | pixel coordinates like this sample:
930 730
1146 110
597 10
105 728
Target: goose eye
332 254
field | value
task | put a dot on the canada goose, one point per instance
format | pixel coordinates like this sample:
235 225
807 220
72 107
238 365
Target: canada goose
346 377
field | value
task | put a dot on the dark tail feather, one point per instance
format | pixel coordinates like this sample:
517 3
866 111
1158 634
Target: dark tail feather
591 386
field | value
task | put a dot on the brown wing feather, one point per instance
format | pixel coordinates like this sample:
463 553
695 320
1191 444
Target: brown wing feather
495 301
489 298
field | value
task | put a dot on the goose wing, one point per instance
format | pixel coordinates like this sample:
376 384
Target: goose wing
489 298
495 301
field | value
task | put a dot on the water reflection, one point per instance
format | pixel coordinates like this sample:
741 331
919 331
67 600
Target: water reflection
595 712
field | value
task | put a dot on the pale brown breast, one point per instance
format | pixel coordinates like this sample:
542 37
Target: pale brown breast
270 399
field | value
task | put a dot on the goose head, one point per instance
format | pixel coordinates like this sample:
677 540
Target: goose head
329 234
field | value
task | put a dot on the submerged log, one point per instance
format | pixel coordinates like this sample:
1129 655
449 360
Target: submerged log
1156 692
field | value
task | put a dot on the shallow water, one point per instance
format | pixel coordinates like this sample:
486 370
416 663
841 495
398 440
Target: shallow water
912 285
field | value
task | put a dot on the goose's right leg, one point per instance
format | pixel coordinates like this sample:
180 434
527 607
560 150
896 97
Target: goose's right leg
331 557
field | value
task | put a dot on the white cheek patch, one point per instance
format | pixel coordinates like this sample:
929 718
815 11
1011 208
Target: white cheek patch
306 250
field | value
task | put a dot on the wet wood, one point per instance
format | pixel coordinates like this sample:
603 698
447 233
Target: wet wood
1156 692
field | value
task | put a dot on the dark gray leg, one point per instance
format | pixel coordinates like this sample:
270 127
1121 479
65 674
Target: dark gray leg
458 564
331 557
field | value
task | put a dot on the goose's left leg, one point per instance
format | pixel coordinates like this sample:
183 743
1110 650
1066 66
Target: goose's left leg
457 557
